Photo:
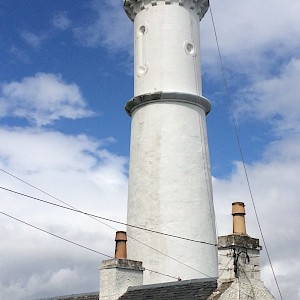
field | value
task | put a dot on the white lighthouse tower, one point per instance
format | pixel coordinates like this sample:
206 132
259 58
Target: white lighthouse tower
169 180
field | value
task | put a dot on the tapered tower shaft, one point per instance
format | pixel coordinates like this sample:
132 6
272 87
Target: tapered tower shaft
169 180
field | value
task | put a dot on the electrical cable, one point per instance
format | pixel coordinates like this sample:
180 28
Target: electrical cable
53 197
202 127
239 289
54 235
241 152
152 248
226 266
110 220
74 243
141 228
241 268
106 219
170 276
231 287
40 190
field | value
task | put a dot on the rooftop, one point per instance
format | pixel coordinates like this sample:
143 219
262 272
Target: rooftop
199 289
85 296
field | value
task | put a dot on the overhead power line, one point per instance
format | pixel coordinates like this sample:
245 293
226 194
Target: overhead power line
138 241
229 102
54 235
51 196
74 243
106 219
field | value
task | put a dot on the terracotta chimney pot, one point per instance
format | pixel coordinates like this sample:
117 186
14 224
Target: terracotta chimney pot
238 213
121 239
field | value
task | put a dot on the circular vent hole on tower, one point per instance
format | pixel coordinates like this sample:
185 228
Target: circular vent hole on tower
190 48
142 70
142 30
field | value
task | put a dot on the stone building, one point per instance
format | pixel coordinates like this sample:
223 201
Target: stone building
239 273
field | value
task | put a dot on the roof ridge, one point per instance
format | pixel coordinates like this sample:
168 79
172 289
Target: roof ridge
71 295
171 283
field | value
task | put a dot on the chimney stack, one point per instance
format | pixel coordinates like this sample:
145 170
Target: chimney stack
238 213
238 252
117 274
239 262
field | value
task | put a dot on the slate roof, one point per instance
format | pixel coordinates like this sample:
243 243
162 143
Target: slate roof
86 296
220 290
199 289
195 289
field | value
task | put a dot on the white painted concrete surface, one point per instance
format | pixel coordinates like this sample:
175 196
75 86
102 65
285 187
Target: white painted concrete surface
116 275
170 191
239 263
247 269
244 289
169 182
167 50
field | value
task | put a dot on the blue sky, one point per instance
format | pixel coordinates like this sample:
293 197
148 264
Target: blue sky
65 76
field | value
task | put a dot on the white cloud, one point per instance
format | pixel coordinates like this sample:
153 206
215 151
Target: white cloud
275 186
111 28
274 100
271 98
244 40
249 32
259 40
287 272
51 267
61 21
32 39
20 54
42 99
78 170
253 36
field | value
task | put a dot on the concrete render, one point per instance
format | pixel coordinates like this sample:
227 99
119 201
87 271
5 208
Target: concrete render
166 49
243 289
170 186
170 191
116 275
239 269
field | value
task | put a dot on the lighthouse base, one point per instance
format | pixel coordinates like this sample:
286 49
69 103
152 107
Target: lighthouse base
170 189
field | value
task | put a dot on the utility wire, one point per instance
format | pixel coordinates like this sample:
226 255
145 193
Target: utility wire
86 247
229 101
170 276
106 219
85 213
231 286
241 268
74 243
53 197
225 266
54 235
110 220
152 248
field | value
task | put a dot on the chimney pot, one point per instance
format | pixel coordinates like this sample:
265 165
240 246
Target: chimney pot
238 213
121 239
